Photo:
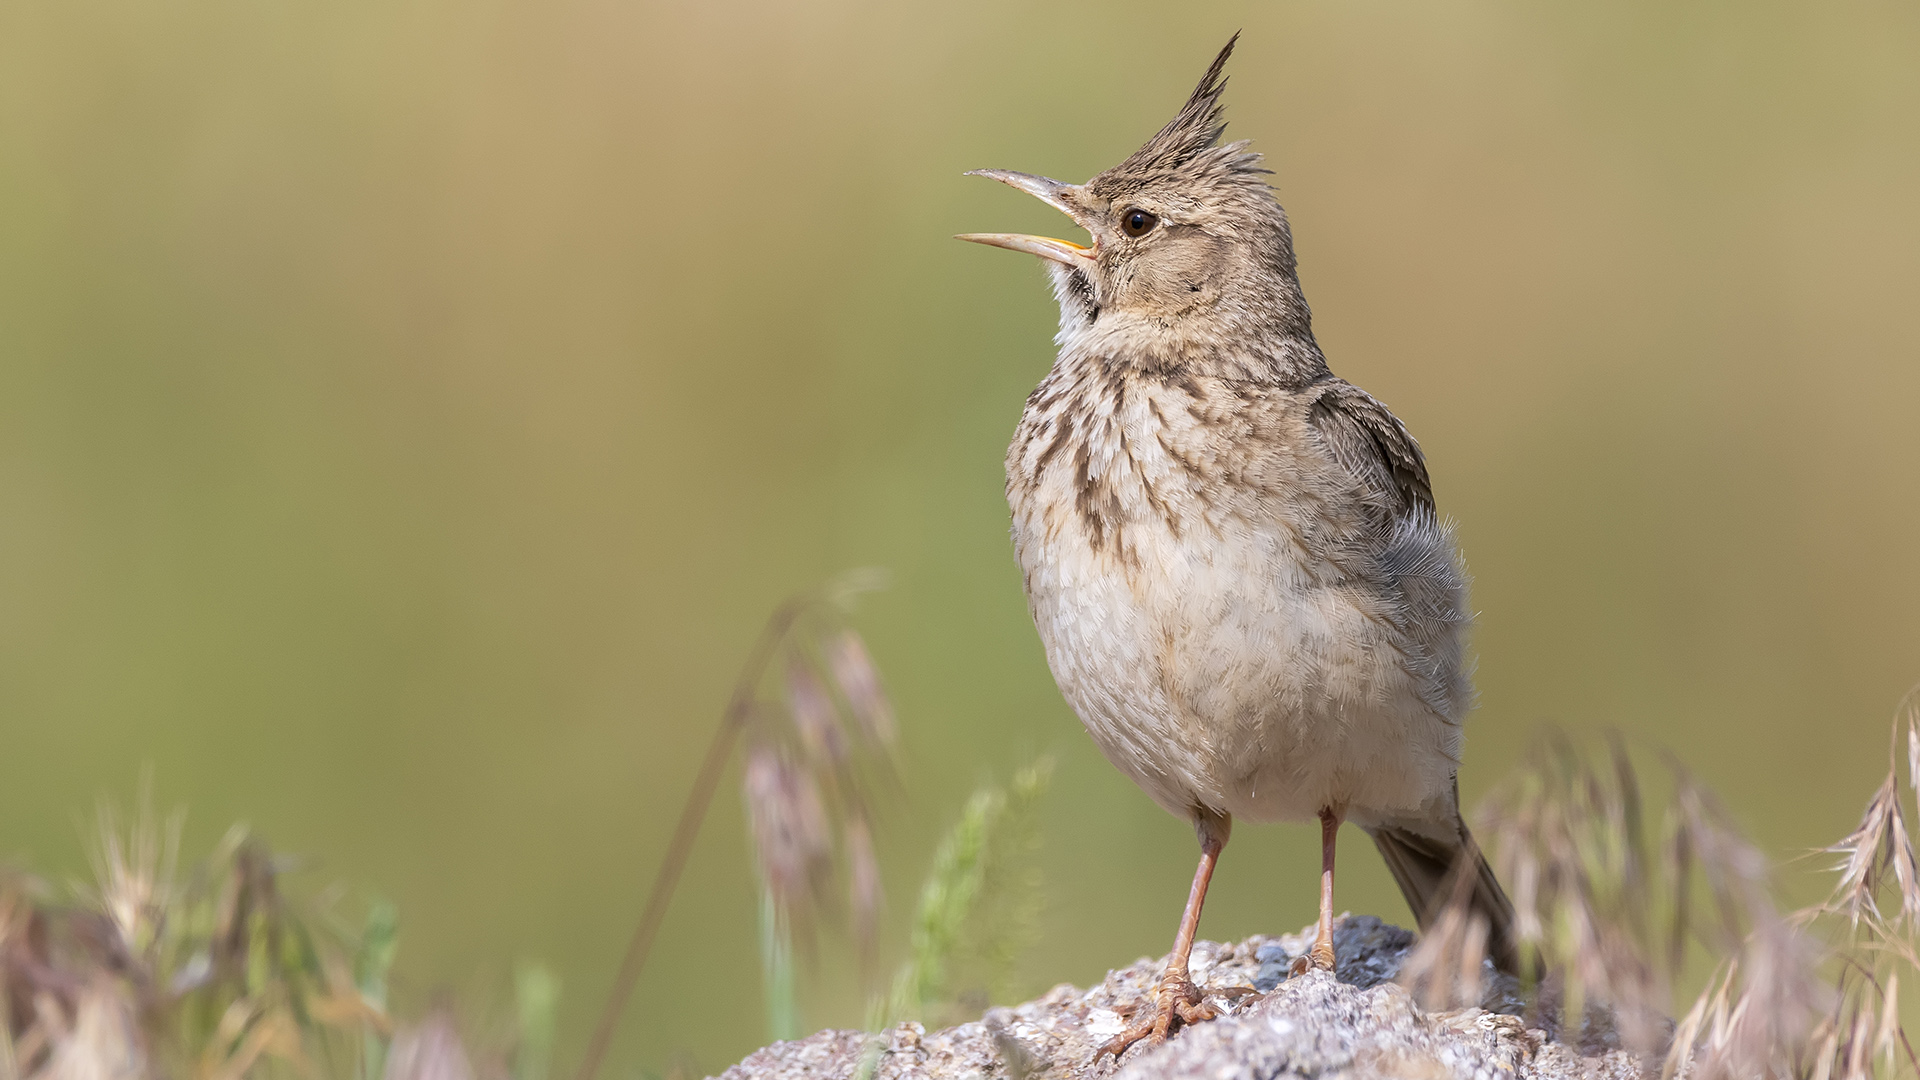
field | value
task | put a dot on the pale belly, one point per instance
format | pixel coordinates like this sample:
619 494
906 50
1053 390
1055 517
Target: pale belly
1220 670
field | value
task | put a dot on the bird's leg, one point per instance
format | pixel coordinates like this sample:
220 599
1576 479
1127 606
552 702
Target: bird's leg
1321 955
1178 1000
1329 836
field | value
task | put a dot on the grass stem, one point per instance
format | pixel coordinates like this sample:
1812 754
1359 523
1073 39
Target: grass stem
739 711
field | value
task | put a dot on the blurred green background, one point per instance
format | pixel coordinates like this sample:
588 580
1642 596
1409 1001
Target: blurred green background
410 410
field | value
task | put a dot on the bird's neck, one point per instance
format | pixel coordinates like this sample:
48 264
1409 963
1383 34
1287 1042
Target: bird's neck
1265 339
1262 333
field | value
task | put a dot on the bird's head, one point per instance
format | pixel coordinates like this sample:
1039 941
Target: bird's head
1188 241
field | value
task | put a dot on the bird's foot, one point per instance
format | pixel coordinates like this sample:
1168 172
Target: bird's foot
1318 958
1177 1001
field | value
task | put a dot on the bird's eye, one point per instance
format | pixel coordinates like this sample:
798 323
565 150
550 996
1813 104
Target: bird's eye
1137 222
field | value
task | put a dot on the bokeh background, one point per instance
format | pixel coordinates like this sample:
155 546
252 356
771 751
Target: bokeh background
409 411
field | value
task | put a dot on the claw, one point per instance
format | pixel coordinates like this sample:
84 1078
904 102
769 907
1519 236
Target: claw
1318 958
1178 1002
1195 1014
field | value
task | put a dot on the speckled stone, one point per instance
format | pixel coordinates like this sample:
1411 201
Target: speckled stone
1352 1024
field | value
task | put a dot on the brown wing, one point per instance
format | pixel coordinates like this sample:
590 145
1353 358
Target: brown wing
1400 549
1372 443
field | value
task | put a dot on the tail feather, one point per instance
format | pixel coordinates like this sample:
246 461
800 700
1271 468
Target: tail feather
1424 862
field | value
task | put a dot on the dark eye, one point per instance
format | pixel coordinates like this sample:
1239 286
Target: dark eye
1137 222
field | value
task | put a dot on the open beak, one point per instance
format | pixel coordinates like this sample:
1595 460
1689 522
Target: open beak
1054 194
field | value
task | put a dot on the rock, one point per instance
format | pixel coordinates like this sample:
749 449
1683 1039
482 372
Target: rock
1352 1024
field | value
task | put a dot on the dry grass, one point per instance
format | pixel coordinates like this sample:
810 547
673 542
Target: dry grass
1632 889
1870 927
819 745
812 752
214 974
1623 899
820 749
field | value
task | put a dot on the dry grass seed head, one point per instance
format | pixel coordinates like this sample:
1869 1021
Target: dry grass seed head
1447 969
818 748
859 680
1768 1013
816 720
432 1050
789 822
1868 948
1879 851
1569 837
213 974
1612 930
134 872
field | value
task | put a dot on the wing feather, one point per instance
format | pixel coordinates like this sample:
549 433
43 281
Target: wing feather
1368 440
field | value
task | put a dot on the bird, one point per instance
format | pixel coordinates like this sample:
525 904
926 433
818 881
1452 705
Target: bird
1232 556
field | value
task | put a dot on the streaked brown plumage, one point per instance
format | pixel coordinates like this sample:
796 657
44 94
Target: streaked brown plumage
1233 556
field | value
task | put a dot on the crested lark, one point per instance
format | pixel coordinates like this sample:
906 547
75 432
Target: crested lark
1232 556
